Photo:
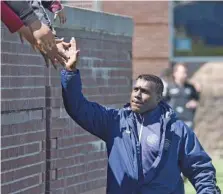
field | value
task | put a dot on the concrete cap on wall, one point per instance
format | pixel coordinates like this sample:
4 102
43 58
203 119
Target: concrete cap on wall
78 18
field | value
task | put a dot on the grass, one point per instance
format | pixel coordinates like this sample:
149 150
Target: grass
218 164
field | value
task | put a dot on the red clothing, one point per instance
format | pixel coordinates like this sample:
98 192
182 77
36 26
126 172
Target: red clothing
53 6
9 18
15 14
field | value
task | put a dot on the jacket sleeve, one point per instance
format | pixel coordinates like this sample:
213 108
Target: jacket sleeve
23 10
196 165
53 6
91 116
9 18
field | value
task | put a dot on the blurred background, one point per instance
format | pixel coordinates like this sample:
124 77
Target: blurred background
127 38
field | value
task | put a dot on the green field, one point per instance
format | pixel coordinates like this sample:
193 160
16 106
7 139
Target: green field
219 168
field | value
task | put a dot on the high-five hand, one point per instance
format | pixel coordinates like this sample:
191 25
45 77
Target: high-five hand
72 54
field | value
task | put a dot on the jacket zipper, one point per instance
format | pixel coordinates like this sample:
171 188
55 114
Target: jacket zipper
138 145
141 129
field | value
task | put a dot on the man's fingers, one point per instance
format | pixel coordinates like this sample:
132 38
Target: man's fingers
66 45
59 40
77 53
51 45
63 55
73 43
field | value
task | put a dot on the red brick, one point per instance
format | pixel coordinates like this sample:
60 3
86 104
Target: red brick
22 104
88 176
67 142
97 164
67 132
16 70
23 138
11 82
142 11
40 189
21 184
6 36
120 73
29 126
23 172
72 170
22 161
150 42
78 169
20 150
93 81
75 160
57 184
105 90
108 100
58 191
23 93
119 81
150 66
13 47
62 153
86 186
10 58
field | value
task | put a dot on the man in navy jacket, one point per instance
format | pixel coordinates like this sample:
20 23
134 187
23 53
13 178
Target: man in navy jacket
147 146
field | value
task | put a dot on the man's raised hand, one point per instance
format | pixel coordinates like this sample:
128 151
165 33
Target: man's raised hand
72 54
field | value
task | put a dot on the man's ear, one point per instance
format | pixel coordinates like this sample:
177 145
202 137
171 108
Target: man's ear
159 98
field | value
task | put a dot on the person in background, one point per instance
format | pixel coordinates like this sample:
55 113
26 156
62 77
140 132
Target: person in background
19 17
182 95
166 77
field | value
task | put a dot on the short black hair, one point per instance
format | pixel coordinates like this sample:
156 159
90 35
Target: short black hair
155 79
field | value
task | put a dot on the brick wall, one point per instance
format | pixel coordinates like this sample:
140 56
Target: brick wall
43 150
151 33
23 121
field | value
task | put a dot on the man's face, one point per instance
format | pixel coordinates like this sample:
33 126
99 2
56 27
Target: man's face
144 96
180 74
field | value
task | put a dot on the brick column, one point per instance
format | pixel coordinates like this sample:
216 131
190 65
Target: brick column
43 150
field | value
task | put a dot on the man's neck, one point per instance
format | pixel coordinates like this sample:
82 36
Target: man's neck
179 83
